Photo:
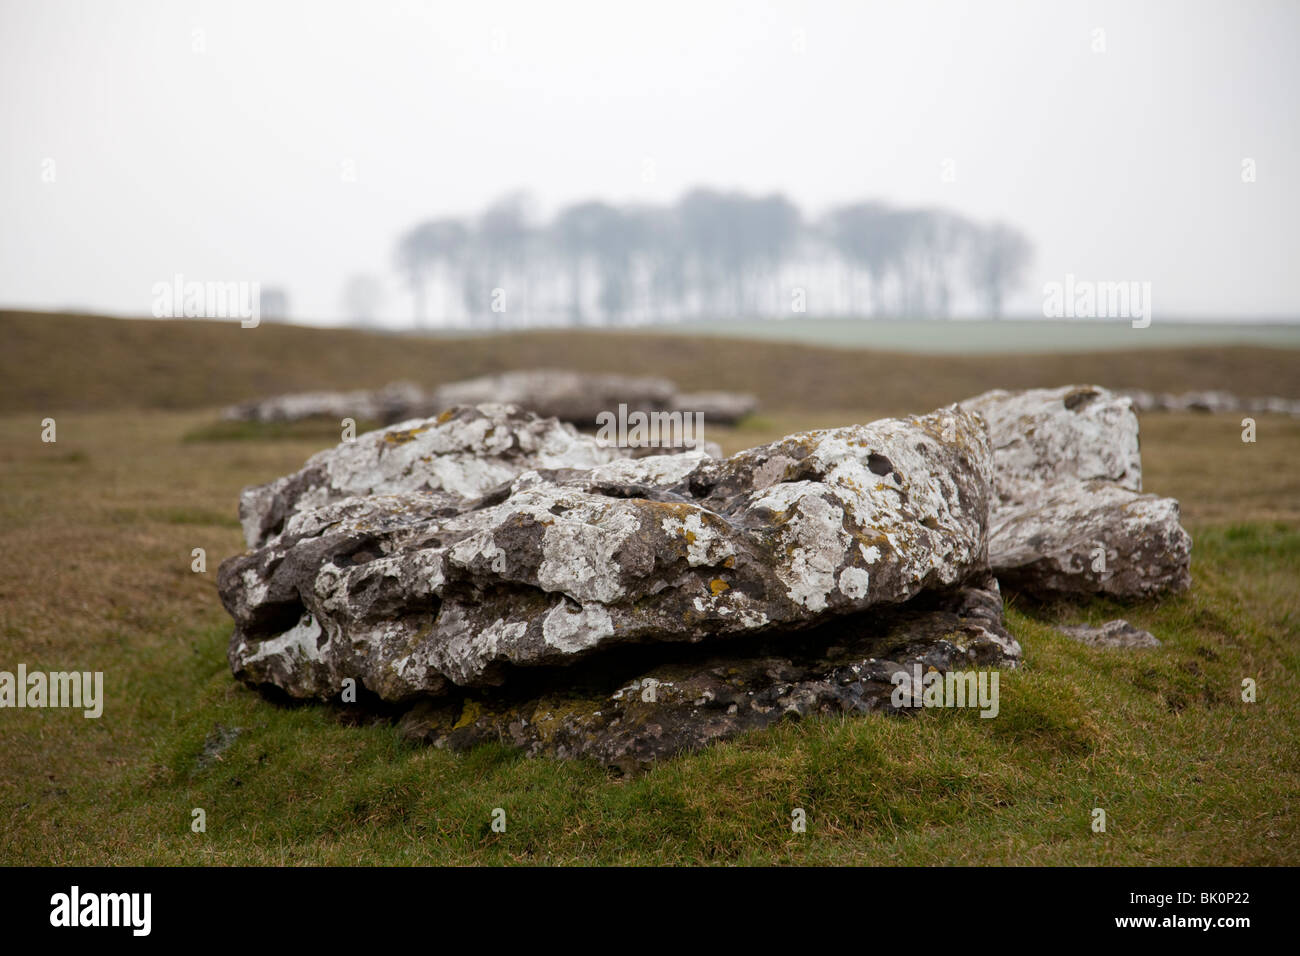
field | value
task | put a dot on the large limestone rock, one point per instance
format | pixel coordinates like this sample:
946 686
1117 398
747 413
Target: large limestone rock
1068 516
504 578
458 552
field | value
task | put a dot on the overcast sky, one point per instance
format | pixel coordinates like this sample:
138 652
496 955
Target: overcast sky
224 154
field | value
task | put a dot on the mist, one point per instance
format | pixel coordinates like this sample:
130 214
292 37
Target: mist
295 144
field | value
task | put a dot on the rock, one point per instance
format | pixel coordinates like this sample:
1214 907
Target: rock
575 397
1215 401
500 577
394 402
424 558
1068 517
444 462
1049 438
1094 538
719 408
1211 401
217 742
1274 405
629 712
1118 633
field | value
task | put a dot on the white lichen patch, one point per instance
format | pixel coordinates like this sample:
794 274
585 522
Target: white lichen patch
578 551
479 550
705 544
571 629
814 535
296 644
853 583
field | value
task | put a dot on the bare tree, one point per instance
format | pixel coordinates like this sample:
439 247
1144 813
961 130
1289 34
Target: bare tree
435 245
712 252
503 241
869 236
362 297
998 257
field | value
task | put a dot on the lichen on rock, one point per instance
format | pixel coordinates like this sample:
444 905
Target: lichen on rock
1068 516
501 577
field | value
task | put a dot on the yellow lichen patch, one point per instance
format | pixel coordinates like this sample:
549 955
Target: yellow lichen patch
405 435
676 509
717 586
555 714
730 562
445 416
471 712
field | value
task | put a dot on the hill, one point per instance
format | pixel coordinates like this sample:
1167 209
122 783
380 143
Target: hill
55 362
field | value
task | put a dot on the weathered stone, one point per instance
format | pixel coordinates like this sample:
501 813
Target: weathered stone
1068 517
393 402
450 461
402 562
503 578
576 397
628 711
1046 439
1117 633
217 742
1094 538
1214 401
718 408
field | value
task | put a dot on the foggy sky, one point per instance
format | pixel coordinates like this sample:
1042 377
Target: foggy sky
303 138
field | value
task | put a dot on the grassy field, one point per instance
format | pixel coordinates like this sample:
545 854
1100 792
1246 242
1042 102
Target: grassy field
964 336
86 363
96 533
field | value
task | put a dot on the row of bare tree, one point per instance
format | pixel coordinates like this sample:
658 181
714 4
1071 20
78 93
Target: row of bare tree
711 254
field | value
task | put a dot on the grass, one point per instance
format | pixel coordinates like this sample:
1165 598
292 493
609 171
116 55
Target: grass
97 533
87 363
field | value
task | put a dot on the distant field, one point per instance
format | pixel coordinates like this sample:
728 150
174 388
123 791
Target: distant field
50 362
97 531
959 337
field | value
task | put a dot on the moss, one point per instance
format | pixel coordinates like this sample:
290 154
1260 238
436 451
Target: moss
470 712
